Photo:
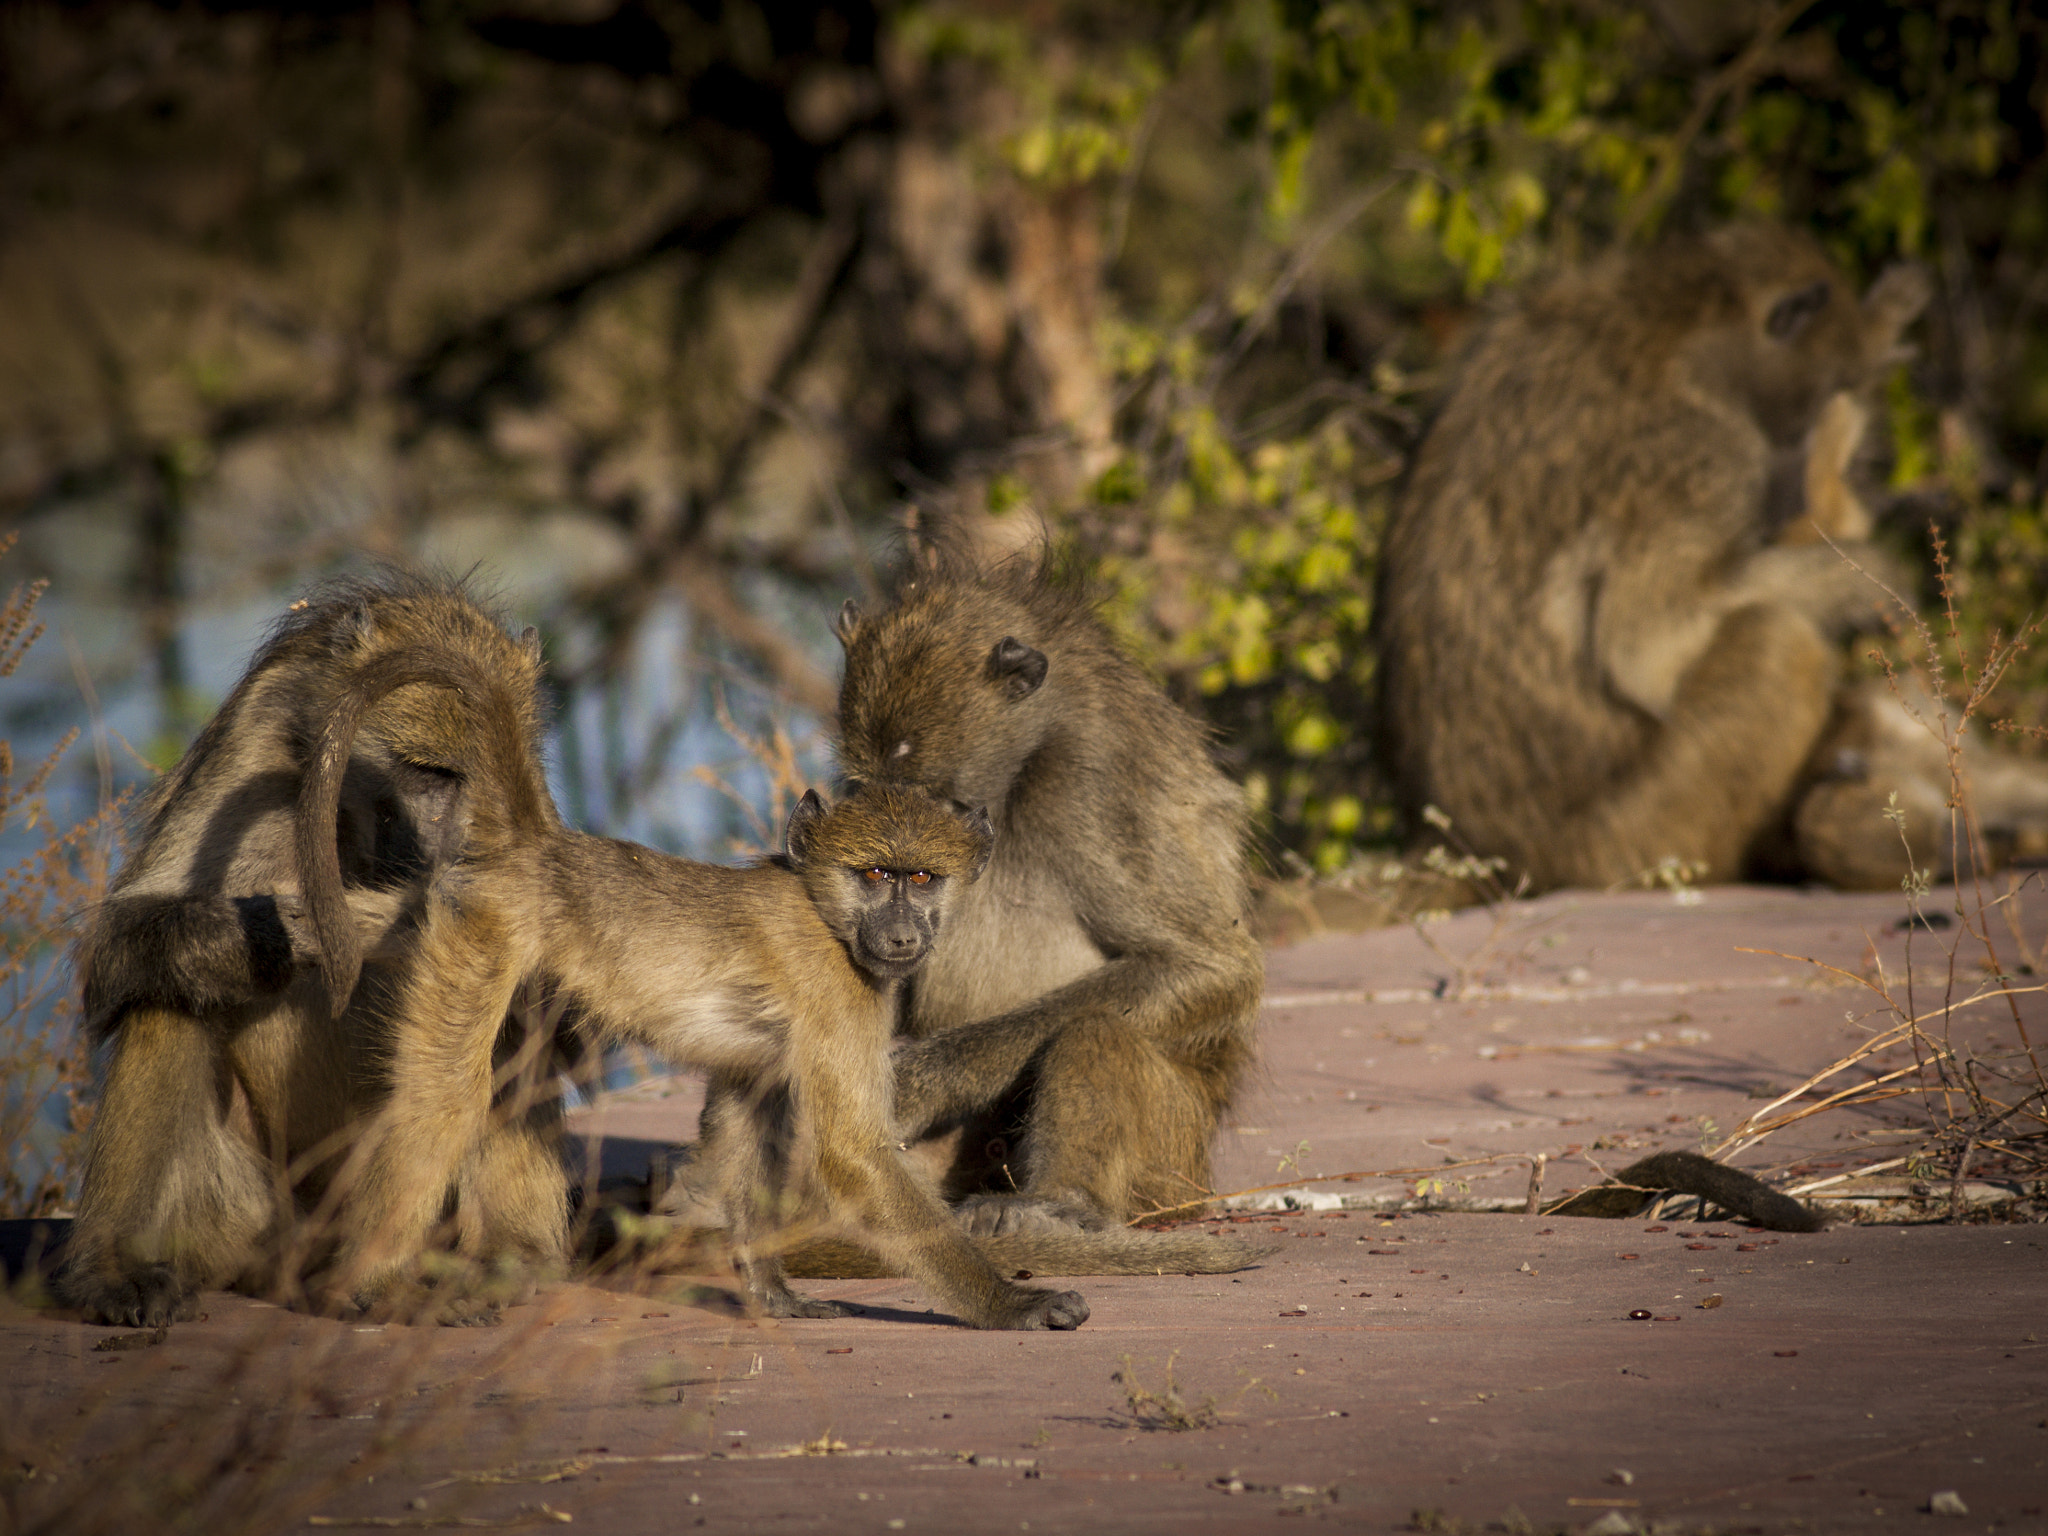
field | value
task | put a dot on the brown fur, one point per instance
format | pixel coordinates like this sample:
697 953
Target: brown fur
1609 634
1091 1013
778 980
230 1088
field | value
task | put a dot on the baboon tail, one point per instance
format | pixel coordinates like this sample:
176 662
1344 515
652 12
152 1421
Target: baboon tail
319 854
1116 1251
1688 1173
1120 1251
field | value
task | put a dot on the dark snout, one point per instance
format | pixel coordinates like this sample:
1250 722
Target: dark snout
895 938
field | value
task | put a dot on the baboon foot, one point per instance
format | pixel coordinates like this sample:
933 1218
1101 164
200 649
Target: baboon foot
414 1304
149 1296
1030 1309
787 1303
446 1289
1011 1215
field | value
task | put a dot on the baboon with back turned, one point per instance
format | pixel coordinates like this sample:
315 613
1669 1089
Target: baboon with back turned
1610 633
1091 1014
230 1090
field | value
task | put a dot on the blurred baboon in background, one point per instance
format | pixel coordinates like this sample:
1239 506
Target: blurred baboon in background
1091 1012
233 1079
1609 627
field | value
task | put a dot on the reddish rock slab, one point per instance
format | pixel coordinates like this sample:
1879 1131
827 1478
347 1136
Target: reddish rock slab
1476 1368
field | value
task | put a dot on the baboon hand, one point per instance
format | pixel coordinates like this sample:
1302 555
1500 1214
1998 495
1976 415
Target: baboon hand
790 1304
1032 1309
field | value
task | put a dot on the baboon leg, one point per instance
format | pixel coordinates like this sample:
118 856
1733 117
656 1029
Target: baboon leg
748 1143
911 1227
437 1114
512 1209
175 1199
1742 727
1083 1167
1877 750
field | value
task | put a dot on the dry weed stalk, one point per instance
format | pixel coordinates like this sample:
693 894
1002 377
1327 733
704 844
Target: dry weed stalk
776 756
1165 1409
1978 1095
43 1063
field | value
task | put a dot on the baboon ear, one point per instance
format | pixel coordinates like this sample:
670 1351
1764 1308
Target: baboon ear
529 642
1017 666
984 832
847 625
803 826
1789 316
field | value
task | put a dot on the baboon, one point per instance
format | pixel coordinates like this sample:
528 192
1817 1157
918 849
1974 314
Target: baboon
229 1089
1609 633
1091 1012
409 1107
779 980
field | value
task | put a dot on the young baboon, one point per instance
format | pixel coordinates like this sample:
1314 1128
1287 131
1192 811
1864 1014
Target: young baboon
1609 633
779 980
229 1086
1091 1012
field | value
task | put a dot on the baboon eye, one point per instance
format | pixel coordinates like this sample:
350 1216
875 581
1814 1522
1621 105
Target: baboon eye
921 877
902 749
875 876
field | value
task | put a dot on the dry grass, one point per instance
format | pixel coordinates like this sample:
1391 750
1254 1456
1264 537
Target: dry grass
1946 1032
43 1065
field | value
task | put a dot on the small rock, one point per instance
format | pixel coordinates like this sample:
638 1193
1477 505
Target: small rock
1613 1523
1947 1502
1622 1476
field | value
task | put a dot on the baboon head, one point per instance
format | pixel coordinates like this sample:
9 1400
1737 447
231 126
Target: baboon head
944 691
1776 327
881 867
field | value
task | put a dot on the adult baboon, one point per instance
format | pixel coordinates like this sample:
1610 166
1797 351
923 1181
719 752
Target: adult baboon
1609 633
229 1088
1090 1014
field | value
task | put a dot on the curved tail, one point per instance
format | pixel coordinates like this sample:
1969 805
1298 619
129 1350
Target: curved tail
1114 1251
497 751
1687 1173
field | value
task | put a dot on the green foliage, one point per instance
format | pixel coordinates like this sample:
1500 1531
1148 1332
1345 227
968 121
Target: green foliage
1306 199
1269 630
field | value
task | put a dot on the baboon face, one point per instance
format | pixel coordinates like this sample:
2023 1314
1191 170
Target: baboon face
942 692
897 913
1795 332
881 868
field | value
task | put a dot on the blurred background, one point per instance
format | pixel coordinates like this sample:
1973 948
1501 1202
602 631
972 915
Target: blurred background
669 317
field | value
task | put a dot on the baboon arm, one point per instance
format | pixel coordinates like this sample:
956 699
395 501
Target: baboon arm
844 1094
1185 1004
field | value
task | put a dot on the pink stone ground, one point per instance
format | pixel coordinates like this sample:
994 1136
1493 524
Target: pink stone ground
1479 1368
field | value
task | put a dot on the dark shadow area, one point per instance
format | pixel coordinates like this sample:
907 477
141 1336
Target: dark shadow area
32 1245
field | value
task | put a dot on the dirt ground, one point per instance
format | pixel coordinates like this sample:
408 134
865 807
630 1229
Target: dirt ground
1418 1354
